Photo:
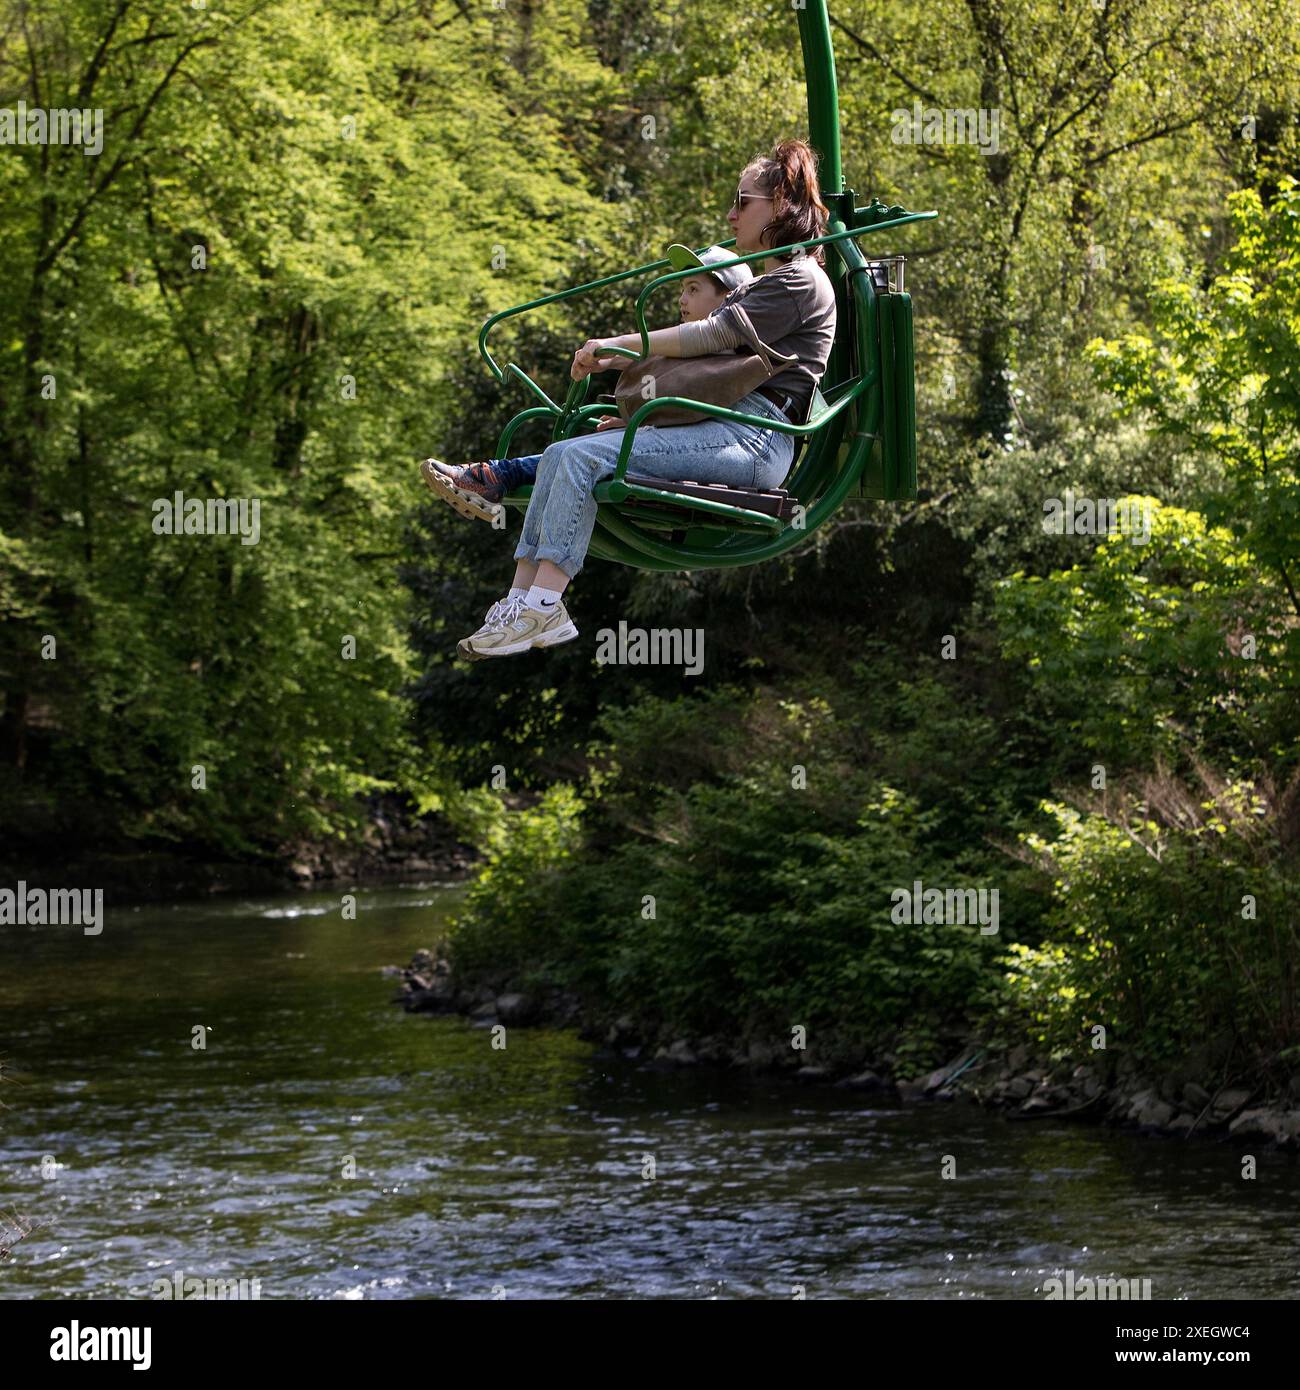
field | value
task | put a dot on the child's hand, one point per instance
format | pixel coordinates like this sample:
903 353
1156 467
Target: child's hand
610 422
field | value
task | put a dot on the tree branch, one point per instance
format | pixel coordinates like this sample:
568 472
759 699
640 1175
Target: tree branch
868 47
45 263
91 75
1157 134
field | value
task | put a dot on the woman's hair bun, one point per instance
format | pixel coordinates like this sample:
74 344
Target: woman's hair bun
798 213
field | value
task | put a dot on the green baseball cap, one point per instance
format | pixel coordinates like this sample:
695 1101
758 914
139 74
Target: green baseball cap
730 277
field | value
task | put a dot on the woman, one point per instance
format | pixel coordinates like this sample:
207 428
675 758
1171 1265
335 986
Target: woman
786 312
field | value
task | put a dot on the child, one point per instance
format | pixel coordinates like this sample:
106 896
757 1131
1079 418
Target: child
476 489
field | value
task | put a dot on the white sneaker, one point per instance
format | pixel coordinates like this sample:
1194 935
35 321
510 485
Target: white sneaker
521 628
500 613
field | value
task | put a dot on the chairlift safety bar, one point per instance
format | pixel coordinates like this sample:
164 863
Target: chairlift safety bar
494 319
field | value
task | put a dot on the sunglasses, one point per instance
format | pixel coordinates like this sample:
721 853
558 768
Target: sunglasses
739 200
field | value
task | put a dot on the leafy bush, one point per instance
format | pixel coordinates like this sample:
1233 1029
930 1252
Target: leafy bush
1173 915
1145 644
513 923
744 897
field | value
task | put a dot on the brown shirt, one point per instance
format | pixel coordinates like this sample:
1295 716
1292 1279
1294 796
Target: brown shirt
786 316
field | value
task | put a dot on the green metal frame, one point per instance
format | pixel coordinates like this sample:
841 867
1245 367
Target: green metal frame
860 434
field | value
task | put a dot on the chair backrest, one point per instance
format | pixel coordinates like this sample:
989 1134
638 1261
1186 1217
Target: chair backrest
890 474
818 455
873 337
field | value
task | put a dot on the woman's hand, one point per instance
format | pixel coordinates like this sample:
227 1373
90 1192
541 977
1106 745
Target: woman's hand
585 359
611 422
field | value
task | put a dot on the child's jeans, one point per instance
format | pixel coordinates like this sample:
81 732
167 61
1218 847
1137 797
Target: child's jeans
561 513
517 472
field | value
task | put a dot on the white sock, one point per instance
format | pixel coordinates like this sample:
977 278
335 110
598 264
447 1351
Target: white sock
516 591
543 599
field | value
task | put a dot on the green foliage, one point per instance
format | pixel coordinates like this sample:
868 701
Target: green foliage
258 290
1141 647
1171 918
1003 510
1222 371
516 909
715 894
366 185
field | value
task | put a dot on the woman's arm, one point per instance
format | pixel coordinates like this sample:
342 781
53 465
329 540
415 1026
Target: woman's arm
698 338
769 307
681 340
663 341
693 339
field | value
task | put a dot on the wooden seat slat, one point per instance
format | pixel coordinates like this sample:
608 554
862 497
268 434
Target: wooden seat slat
771 502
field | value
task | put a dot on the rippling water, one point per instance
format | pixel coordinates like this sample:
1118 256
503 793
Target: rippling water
524 1172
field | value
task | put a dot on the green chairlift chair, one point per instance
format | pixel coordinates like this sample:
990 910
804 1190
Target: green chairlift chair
860 435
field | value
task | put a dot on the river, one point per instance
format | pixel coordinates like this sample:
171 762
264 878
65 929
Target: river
542 1170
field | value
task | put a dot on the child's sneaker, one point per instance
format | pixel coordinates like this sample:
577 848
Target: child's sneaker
521 628
475 490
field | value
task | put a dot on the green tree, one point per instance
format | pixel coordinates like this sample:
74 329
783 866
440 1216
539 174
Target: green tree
260 289
1220 373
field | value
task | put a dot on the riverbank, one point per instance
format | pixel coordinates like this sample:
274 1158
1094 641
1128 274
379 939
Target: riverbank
395 846
1199 1097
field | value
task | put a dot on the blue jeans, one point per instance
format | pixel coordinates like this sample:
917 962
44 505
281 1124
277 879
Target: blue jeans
561 513
517 472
